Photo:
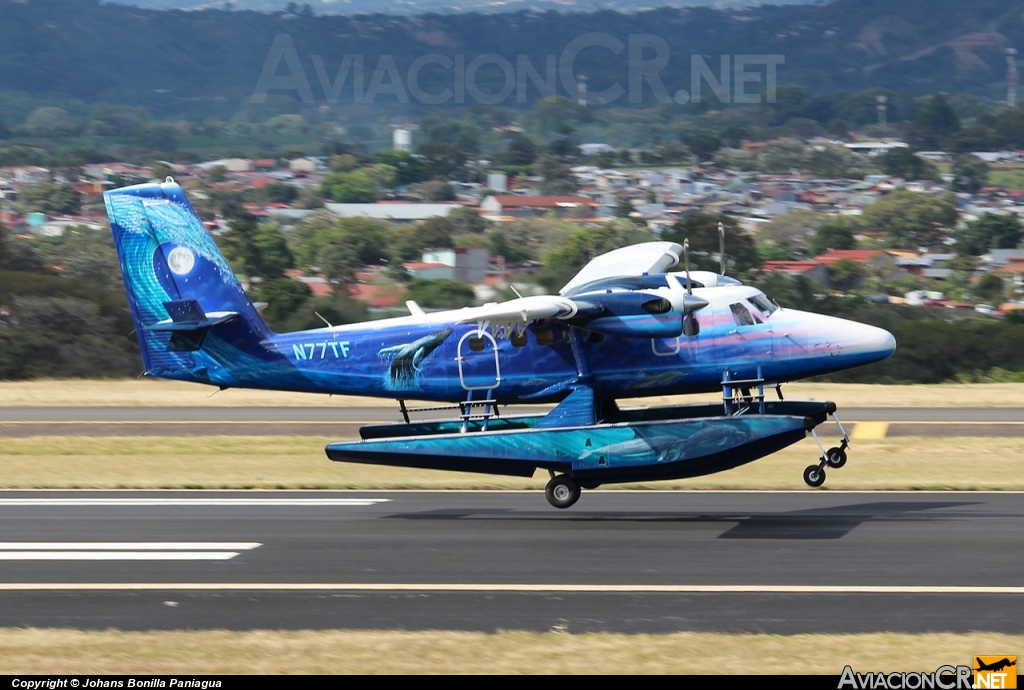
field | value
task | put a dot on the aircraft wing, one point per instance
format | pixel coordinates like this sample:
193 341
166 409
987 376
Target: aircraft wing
635 260
519 312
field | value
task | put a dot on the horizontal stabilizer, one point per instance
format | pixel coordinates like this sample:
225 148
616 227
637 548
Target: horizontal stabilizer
187 315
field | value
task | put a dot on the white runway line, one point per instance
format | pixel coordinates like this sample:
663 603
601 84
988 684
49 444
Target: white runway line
466 587
123 551
128 546
230 502
117 555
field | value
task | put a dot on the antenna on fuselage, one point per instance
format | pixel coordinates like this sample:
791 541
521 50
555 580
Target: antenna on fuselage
721 248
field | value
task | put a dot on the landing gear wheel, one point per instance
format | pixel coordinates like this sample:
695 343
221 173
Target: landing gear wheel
814 475
835 457
562 491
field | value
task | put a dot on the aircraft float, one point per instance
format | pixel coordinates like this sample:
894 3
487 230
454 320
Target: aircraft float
623 327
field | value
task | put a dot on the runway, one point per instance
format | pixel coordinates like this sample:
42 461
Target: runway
344 422
776 562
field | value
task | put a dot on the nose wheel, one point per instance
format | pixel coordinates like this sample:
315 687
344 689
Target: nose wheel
562 491
814 475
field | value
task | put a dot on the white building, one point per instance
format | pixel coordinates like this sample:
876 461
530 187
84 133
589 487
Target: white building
401 139
396 213
470 264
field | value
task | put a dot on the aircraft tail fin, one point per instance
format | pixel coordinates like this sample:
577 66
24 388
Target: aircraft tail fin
179 286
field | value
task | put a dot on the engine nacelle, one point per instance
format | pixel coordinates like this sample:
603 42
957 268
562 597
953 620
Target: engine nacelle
634 314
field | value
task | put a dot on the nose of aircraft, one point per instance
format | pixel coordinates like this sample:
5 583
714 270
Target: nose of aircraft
873 343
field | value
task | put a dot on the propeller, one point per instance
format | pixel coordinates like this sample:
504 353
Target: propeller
691 326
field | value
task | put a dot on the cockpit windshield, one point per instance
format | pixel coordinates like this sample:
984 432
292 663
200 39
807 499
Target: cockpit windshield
764 305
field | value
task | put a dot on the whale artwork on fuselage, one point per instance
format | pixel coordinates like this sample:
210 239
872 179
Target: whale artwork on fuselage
624 327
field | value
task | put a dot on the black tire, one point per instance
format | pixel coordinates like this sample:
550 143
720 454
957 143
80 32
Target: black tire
562 491
835 457
814 475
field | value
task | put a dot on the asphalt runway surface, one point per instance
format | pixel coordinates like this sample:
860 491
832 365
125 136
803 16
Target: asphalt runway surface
774 562
344 422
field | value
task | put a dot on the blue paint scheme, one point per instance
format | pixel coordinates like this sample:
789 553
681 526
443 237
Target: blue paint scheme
604 452
614 337
415 357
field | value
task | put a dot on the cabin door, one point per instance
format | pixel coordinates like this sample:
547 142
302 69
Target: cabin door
479 366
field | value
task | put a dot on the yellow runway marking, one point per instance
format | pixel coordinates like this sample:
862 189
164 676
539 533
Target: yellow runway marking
464 587
869 430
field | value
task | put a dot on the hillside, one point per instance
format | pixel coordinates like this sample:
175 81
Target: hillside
183 62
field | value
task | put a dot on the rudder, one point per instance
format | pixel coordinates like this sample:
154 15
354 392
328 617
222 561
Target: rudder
171 263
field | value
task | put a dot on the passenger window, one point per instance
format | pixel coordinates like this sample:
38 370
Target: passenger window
518 338
544 336
476 343
741 315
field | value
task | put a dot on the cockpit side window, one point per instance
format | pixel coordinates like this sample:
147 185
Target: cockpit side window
741 315
764 305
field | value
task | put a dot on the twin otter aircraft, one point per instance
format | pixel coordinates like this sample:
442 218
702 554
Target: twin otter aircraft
622 328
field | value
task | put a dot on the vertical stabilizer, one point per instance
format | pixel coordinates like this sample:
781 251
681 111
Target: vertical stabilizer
171 263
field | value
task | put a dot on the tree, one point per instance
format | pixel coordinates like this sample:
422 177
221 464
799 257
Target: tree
838 128
583 245
989 288
442 162
435 233
935 121
441 294
283 296
258 251
970 173
911 220
17 254
466 220
159 137
351 187
829 160
904 163
342 162
49 198
382 174
702 231
703 143
624 208
991 231
833 234
557 174
781 156
845 274
551 114
521 150
501 246
161 171
410 168
272 252
217 173
433 190
280 193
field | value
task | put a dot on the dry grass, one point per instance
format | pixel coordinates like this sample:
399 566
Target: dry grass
298 462
57 651
160 393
